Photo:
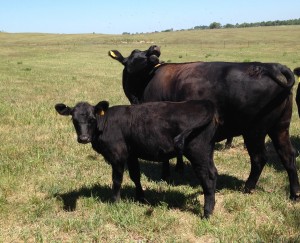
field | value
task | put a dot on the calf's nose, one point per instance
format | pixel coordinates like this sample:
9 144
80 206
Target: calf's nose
84 139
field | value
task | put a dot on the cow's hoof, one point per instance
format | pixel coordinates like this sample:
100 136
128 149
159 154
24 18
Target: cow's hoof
296 197
166 178
142 200
179 170
228 146
116 199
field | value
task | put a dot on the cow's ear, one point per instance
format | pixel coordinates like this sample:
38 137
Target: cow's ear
101 108
116 55
154 59
63 110
154 50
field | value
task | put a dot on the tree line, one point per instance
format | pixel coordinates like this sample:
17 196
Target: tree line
217 25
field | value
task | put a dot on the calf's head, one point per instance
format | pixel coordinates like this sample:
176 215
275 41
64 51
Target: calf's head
138 60
84 117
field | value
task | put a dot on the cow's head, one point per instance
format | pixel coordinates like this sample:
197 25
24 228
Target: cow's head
138 60
84 117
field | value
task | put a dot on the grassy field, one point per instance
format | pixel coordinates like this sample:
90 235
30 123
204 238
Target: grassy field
53 189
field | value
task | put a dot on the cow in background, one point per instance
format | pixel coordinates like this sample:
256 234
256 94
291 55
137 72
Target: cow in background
297 73
252 99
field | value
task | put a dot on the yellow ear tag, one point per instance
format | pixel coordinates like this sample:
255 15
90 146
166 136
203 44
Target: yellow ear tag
112 54
101 113
299 79
157 65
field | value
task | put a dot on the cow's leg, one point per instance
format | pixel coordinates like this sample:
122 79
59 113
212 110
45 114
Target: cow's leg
286 152
179 164
298 99
228 143
255 143
135 176
165 175
117 177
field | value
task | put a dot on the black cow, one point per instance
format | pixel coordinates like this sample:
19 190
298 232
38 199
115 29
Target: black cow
153 131
297 73
252 99
139 69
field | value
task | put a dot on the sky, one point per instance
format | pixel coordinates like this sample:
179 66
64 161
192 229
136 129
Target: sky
136 16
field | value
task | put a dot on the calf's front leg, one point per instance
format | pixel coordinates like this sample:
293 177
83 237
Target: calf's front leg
117 178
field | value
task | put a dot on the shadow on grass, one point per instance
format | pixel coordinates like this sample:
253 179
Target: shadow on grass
273 158
155 197
152 171
173 198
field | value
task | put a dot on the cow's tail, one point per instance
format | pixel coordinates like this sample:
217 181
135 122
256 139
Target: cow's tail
282 75
181 139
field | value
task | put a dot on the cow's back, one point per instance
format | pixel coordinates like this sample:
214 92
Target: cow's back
240 91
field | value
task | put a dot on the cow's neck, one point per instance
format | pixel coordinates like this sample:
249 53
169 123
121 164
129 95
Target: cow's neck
151 73
134 85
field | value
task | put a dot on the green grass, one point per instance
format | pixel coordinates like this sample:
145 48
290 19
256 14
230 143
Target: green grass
53 189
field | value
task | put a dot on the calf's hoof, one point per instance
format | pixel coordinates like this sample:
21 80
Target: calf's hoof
206 215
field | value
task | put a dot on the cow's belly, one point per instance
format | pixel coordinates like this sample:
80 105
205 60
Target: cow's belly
259 121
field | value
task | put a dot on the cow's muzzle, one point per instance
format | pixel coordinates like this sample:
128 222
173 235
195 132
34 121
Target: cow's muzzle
154 50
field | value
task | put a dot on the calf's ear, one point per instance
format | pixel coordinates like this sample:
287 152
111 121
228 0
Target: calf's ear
63 110
101 108
116 55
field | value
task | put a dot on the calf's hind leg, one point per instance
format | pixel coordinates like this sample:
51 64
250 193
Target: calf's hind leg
206 171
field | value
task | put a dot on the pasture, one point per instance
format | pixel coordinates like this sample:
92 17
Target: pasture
53 189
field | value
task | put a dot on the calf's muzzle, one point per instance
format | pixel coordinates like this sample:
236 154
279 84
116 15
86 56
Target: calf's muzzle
84 139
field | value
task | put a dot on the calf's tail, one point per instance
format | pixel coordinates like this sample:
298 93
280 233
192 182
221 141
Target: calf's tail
181 139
